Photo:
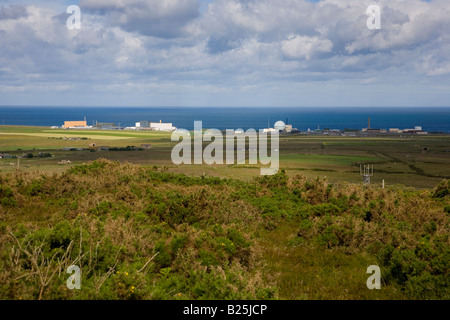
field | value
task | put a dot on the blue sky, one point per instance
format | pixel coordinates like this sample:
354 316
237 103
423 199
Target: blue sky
225 53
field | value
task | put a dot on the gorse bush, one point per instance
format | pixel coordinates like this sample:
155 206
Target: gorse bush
7 197
442 190
145 233
125 226
422 271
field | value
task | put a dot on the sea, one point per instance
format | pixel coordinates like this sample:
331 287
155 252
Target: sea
431 119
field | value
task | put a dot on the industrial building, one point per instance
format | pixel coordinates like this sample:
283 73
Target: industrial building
74 124
288 128
280 127
155 126
105 126
143 124
270 130
416 130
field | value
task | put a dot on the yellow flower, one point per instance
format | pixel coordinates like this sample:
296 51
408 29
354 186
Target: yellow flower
132 288
126 273
118 272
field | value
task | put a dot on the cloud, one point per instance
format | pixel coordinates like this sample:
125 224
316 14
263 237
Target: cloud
157 18
170 48
13 12
304 47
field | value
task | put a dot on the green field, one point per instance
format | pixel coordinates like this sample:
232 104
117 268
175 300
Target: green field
396 160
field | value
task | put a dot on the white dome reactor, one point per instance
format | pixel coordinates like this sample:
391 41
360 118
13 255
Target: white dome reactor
279 125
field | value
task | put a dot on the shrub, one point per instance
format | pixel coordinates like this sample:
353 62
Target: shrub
328 237
6 192
447 208
305 227
208 258
102 208
442 190
7 196
325 209
164 257
423 271
210 233
35 188
177 243
93 167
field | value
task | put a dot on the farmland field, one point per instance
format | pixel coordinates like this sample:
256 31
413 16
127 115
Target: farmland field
416 161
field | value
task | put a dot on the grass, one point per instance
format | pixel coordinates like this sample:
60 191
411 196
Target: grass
312 273
328 159
144 233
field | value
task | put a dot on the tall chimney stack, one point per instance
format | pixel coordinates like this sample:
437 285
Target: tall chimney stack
369 124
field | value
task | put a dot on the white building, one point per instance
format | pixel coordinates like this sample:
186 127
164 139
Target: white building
155 126
288 128
270 130
162 126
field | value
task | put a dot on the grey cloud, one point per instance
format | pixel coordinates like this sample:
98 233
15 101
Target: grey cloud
13 12
222 44
165 19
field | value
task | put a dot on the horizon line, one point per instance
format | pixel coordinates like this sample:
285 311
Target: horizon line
204 106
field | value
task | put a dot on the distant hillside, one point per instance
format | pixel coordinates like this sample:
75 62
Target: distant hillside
143 233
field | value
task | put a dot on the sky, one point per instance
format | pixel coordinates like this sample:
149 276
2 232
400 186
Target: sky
225 53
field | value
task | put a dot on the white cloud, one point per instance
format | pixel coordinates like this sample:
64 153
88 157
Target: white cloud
233 44
304 47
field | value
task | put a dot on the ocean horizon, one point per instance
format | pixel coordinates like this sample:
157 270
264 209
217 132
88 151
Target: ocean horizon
431 119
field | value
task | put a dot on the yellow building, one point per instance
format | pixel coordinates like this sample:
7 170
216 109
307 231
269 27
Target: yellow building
74 124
